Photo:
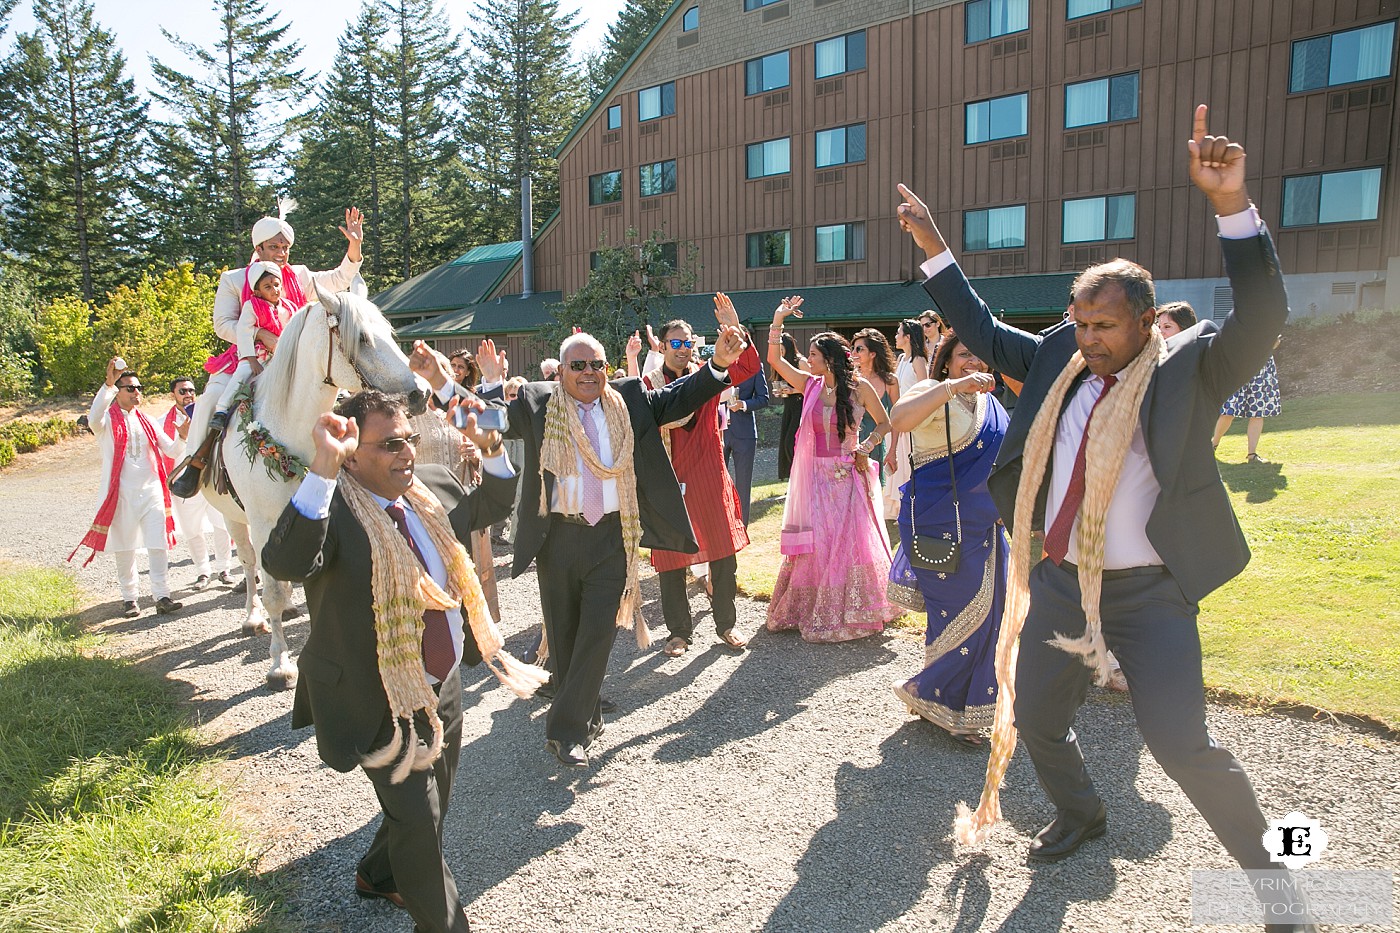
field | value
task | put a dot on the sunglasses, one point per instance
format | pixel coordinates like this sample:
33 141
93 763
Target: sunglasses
677 344
396 444
184 392
130 388
597 366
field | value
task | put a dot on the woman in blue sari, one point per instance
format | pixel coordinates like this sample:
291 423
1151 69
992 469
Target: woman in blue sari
957 689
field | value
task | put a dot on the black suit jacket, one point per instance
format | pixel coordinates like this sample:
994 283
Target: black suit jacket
665 524
340 691
1192 525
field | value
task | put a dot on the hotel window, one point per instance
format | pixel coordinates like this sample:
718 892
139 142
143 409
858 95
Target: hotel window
658 178
668 255
998 118
773 157
605 188
1077 8
691 20
1331 197
842 54
987 19
1090 220
1103 101
995 228
614 116
766 74
841 242
770 249
841 145
757 4
1342 58
657 101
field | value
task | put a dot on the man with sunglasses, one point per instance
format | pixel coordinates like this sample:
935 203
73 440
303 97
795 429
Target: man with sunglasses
573 523
365 454
133 505
193 516
696 448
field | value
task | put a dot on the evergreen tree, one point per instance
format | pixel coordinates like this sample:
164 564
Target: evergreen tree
424 71
524 99
74 137
216 163
634 23
346 153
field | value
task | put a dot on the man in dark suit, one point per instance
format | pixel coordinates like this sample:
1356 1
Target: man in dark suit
582 568
741 434
319 542
1170 534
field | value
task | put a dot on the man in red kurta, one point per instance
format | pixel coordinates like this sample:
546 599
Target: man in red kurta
696 447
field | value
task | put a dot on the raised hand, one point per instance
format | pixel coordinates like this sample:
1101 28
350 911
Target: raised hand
915 220
492 363
430 364
1217 167
336 438
634 346
724 310
973 383
728 346
354 233
652 340
790 305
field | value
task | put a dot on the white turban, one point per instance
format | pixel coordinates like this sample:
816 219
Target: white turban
268 227
258 269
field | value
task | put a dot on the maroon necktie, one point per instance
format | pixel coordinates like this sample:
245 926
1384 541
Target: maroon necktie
1057 538
439 654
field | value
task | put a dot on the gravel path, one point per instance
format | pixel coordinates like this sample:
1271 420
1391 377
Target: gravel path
779 790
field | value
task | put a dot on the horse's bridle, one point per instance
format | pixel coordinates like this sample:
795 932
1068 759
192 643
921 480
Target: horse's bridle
333 326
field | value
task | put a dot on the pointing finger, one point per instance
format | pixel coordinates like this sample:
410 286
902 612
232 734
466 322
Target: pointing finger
1198 132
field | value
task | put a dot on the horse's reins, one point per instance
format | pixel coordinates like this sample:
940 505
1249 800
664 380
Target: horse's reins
333 326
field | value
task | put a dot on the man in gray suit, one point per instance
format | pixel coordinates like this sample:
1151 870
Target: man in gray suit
1170 535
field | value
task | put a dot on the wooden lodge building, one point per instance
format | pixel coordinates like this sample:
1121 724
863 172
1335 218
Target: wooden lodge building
1044 134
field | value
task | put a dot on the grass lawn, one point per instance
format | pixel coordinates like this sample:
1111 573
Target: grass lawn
109 818
1314 618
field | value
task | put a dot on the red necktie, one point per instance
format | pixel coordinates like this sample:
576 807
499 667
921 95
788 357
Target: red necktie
1057 538
439 654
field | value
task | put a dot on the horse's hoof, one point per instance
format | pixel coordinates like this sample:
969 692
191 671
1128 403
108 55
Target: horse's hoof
280 682
259 627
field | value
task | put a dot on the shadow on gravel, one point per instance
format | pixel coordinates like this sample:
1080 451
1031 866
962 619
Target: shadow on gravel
775 678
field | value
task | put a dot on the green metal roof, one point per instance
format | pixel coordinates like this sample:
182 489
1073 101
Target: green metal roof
1016 296
489 253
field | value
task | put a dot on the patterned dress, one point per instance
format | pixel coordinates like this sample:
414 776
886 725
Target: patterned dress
956 690
1259 398
836 557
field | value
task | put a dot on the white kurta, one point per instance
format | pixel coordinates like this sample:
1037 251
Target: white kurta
193 516
228 301
140 518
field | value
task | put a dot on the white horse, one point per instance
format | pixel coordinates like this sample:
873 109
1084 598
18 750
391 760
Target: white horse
337 342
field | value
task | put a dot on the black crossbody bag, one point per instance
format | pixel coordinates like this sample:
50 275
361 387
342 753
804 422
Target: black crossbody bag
929 553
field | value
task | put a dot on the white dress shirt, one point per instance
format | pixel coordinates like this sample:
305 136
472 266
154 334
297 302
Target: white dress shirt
1125 531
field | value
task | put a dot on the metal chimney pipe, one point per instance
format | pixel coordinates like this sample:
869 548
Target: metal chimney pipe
527 252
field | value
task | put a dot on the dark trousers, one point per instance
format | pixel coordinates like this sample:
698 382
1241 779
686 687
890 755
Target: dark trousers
738 455
582 572
1151 628
675 604
406 853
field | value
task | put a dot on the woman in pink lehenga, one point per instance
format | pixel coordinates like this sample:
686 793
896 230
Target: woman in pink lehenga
836 554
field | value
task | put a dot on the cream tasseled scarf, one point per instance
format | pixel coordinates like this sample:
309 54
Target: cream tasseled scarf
402 590
564 441
1110 435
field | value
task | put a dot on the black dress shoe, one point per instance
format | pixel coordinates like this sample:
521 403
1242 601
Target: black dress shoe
130 609
572 755
367 891
546 690
165 606
1061 839
606 706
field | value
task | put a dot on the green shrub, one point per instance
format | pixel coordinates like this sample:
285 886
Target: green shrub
7 453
